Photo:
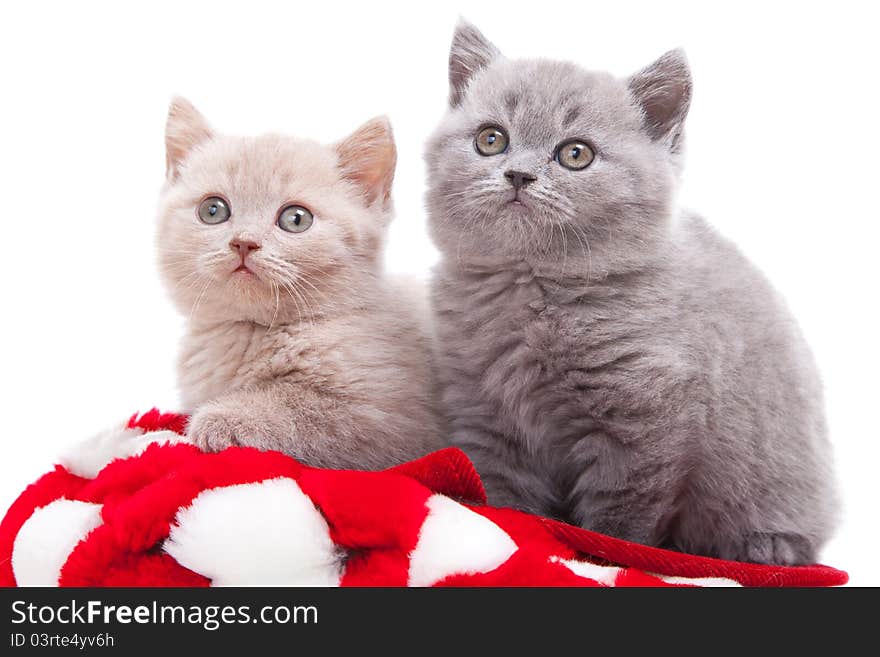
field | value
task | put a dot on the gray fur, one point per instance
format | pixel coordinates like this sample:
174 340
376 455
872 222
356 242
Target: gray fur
607 359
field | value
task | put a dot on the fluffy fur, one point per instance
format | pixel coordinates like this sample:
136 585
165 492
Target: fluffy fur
47 538
311 352
245 517
87 458
454 540
216 533
605 358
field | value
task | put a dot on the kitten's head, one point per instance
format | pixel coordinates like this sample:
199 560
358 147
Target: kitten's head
546 161
270 228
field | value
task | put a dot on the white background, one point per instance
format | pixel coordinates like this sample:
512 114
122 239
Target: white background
783 148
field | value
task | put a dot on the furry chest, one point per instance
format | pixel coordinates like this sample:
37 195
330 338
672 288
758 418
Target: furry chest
549 369
217 360
515 346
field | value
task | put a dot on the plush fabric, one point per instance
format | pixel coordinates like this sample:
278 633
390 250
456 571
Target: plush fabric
139 507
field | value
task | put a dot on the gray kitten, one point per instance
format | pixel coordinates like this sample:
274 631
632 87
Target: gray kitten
607 359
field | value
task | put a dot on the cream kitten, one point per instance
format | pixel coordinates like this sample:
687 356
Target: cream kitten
295 342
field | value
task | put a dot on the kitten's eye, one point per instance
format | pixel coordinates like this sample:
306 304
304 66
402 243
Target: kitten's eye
574 154
491 140
295 219
214 210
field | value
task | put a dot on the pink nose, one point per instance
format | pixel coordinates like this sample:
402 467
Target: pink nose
243 246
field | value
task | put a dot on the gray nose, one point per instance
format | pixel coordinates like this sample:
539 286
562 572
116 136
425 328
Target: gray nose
519 178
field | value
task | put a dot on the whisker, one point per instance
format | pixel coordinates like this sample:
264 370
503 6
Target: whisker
198 300
275 291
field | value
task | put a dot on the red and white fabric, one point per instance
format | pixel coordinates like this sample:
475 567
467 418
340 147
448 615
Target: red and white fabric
139 506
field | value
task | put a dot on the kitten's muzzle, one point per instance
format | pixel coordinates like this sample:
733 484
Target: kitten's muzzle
519 179
243 247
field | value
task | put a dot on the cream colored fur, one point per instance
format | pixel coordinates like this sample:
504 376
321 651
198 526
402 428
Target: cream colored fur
314 353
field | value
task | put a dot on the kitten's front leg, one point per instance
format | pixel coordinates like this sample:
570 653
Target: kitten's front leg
233 420
510 477
625 493
316 427
630 517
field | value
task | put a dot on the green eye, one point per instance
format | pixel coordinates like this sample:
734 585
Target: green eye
574 154
295 219
491 140
214 210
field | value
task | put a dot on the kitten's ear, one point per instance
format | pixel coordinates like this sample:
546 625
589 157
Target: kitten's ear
367 157
663 91
470 52
184 129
